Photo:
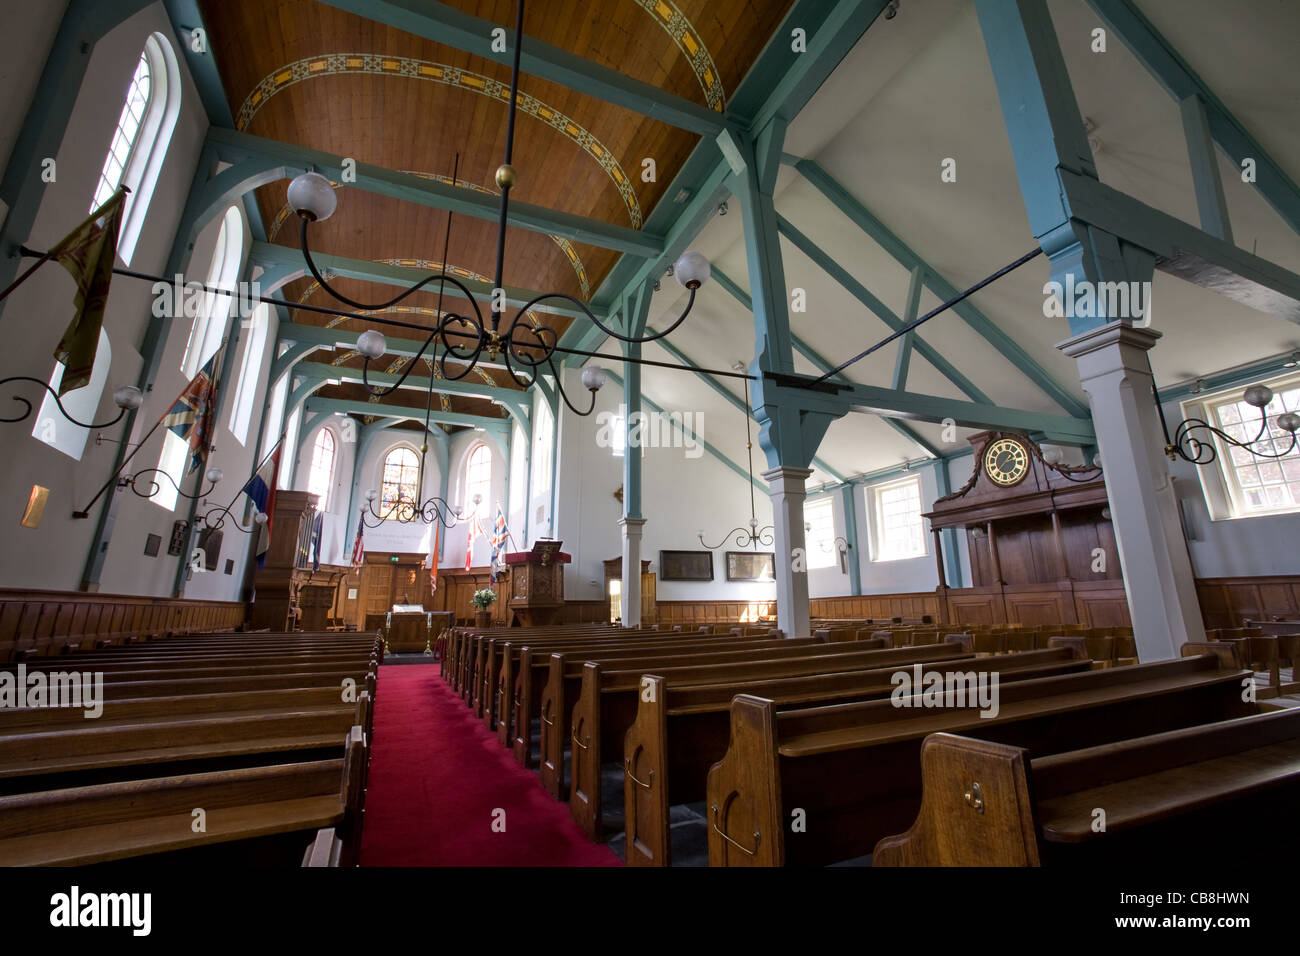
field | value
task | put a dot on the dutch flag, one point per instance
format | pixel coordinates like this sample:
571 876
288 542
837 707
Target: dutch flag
261 491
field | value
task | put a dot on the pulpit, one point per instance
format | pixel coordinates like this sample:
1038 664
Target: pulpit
276 583
537 583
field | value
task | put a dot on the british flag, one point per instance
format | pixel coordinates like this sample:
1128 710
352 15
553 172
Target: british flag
193 417
499 535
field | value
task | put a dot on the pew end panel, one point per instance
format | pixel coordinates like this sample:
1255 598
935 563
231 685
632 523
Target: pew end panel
645 791
745 826
551 770
975 809
584 775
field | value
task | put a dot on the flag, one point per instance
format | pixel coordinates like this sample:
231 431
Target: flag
317 532
499 534
433 558
193 416
261 491
359 548
469 543
89 253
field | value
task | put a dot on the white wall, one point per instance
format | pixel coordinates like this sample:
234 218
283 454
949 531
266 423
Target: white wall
53 555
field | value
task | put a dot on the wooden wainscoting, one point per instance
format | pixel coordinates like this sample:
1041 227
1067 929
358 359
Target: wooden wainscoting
1226 602
41 622
878 607
585 612
687 613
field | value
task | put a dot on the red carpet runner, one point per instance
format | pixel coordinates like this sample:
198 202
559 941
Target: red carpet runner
436 778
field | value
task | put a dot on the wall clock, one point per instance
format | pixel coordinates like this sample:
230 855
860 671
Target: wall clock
1006 462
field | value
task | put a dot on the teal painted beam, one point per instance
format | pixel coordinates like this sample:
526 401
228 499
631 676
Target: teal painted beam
317 336
1181 81
793 391
510 399
1211 204
882 311
819 362
849 501
944 290
707 446
381 410
831 30
903 358
290 264
731 398
450 27
275 156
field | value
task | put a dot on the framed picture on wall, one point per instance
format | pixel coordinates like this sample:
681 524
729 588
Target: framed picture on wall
751 566
686 565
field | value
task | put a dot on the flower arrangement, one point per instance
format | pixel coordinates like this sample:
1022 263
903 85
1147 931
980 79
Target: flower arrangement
483 599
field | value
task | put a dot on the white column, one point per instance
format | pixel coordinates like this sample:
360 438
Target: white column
629 600
1158 577
786 488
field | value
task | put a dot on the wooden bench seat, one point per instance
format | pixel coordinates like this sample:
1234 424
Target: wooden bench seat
114 821
854 768
607 704
131 747
1160 789
681 730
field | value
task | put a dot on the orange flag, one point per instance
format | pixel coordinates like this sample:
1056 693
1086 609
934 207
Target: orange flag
89 253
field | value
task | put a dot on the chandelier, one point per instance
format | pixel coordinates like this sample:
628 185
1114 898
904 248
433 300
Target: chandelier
752 536
522 346
406 510
1201 451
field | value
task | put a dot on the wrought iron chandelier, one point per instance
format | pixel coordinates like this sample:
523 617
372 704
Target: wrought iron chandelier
406 510
1201 451
520 345
752 536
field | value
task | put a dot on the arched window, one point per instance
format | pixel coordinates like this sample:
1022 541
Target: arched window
285 479
478 479
543 447
321 478
209 326
250 369
401 477
82 403
141 138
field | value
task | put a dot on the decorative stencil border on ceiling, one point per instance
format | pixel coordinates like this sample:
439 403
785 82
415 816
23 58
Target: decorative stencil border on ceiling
579 269
335 64
687 38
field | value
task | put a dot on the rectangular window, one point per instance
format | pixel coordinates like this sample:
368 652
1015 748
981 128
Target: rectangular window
175 456
899 528
819 528
1256 485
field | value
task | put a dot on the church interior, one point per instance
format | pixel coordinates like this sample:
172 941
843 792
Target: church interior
600 433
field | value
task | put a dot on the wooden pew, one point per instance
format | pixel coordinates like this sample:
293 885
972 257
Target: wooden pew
681 730
1161 794
854 769
129 748
115 821
607 704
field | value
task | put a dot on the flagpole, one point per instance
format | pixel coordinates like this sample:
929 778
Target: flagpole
25 253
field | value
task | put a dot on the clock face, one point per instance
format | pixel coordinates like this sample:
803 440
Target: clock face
1006 462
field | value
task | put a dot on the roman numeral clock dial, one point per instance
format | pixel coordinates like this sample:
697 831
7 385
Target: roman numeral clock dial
1006 462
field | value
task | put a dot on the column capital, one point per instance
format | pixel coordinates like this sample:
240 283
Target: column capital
1112 333
787 478
631 525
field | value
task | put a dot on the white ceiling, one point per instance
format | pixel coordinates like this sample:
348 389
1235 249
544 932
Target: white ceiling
918 89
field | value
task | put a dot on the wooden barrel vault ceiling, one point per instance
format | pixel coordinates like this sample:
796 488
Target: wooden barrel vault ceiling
308 74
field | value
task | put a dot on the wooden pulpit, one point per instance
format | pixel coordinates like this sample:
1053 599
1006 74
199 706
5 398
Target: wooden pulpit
537 583
275 587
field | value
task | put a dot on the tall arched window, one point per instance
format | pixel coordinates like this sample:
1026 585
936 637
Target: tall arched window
141 138
250 369
82 403
543 447
209 326
401 479
478 478
321 478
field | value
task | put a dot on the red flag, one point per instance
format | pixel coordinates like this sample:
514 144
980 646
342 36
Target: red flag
433 559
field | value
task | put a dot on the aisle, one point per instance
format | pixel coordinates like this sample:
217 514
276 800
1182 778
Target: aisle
436 778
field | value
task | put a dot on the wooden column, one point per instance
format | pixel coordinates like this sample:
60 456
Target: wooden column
1060 547
938 557
993 554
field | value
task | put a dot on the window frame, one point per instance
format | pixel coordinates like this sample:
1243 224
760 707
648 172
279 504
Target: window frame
81 403
250 373
471 483
385 505
820 558
879 532
1221 487
323 502
209 326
